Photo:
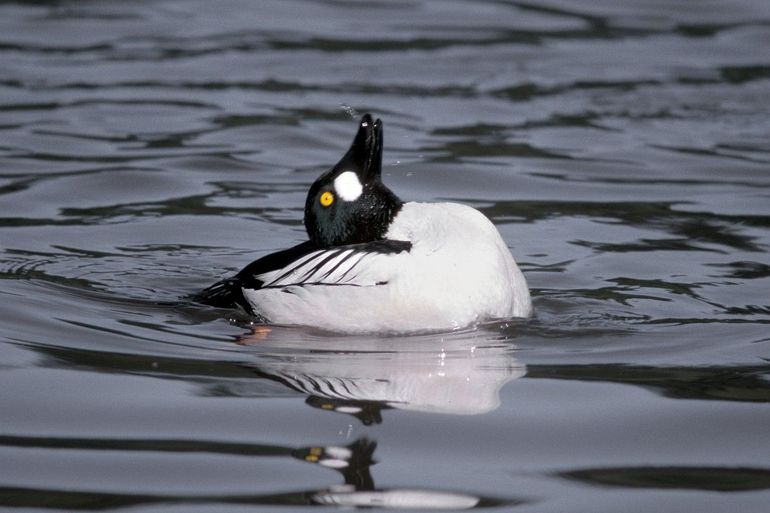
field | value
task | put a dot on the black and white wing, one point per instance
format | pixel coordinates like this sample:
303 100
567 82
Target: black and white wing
306 265
353 265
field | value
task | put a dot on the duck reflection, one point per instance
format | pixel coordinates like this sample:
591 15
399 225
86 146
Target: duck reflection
459 374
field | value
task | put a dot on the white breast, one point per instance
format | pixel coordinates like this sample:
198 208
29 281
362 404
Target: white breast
458 272
460 269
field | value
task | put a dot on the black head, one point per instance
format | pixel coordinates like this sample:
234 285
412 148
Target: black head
349 203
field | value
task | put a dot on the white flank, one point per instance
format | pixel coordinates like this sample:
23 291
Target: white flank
348 186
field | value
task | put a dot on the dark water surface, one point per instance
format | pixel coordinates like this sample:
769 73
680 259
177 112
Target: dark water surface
623 149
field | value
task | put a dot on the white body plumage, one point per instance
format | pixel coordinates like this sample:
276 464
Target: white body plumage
457 272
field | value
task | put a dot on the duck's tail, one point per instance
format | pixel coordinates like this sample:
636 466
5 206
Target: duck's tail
227 293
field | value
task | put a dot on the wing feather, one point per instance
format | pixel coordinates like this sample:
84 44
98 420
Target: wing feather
305 265
346 265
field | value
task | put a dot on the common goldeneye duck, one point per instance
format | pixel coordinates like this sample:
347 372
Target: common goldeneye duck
376 264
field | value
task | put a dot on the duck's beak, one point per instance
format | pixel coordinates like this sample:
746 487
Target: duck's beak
365 154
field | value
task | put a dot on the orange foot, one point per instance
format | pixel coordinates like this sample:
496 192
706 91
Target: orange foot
258 335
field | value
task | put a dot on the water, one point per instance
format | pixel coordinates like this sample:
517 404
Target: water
149 148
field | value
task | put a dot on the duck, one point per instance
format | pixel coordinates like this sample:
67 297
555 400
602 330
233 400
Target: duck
376 264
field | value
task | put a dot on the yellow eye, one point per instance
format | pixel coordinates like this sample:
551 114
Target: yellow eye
326 199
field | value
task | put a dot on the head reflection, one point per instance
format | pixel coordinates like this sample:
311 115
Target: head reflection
354 461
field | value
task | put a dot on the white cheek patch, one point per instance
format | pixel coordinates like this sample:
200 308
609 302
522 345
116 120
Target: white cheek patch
348 186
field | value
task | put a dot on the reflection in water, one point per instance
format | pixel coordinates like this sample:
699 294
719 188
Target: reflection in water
461 374
352 461
744 384
457 373
717 479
